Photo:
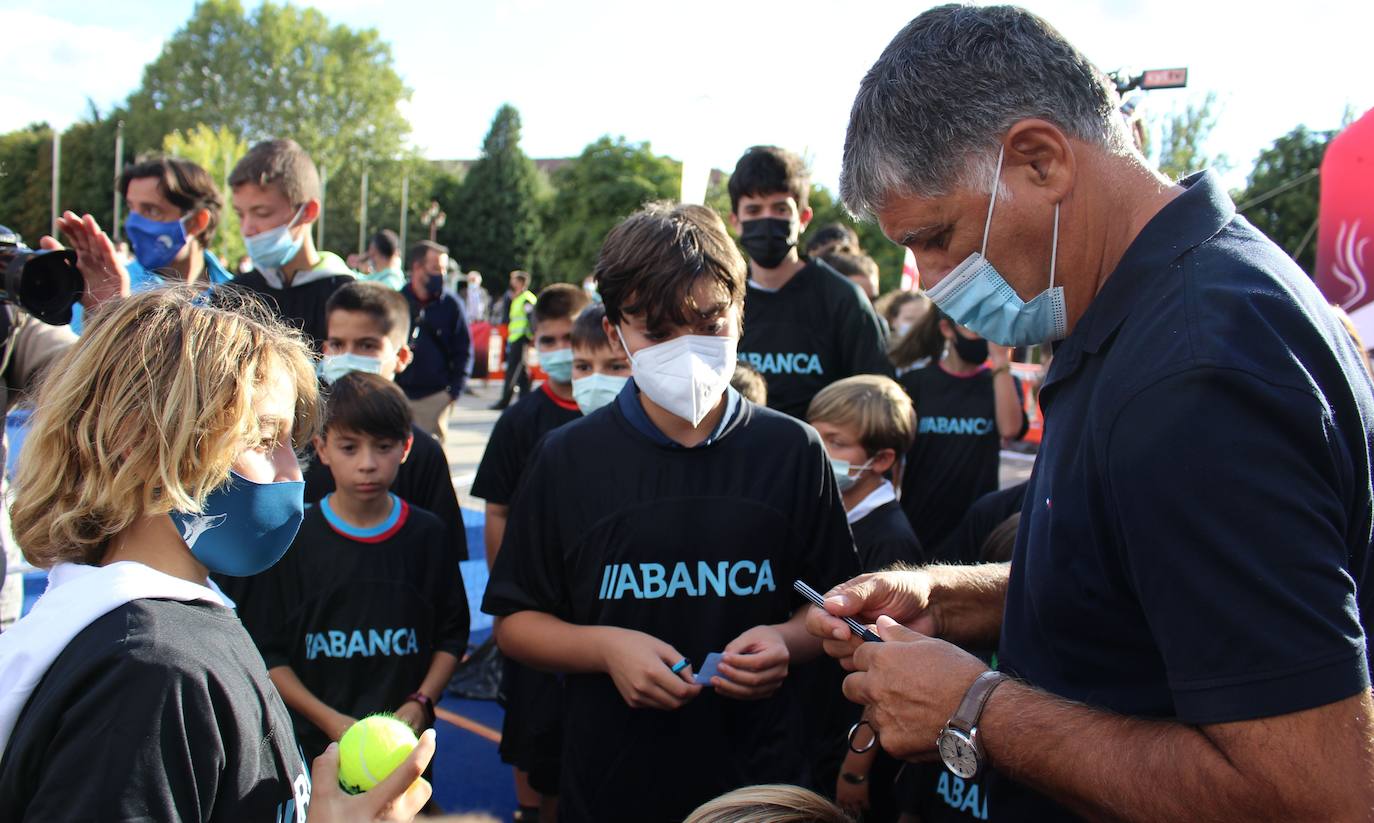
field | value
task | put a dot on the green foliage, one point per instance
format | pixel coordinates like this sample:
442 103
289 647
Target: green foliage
611 179
1288 217
215 150
1183 138
284 71
825 209
494 223
25 178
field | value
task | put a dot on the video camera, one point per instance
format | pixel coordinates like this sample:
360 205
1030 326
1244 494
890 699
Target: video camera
45 284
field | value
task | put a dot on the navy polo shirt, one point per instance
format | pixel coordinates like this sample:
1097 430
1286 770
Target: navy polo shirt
1195 539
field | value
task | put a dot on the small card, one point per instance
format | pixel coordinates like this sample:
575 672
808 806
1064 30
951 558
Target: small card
709 669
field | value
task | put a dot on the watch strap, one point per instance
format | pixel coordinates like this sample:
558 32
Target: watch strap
971 707
425 701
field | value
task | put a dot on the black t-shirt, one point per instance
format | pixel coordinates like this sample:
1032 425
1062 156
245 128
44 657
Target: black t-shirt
423 481
884 537
816 329
965 543
694 547
1195 543
955 457
359 622
302 306
158 710
512 442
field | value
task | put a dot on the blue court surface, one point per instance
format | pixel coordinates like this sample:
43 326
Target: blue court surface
468 774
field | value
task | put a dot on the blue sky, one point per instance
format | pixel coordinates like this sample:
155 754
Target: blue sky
709 78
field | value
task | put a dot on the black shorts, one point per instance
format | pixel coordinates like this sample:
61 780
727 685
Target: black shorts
532 732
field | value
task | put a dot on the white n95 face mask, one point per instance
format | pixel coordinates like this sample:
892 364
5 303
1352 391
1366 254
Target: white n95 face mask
686 375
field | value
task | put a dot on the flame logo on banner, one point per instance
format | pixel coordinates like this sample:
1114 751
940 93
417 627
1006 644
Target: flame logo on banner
1349 265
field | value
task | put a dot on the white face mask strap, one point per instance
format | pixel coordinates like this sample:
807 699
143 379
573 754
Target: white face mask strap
996 186
1054 244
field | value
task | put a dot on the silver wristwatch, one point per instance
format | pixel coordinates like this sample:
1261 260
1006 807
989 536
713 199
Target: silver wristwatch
958 742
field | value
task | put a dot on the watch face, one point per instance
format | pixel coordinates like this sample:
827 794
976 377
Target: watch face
958 753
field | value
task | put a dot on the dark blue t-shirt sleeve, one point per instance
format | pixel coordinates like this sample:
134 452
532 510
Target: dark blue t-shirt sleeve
1233 497
142 743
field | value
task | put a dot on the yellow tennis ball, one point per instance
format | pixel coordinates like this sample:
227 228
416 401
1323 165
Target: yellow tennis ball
371 749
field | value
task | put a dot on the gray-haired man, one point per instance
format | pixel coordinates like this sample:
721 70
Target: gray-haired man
1182 627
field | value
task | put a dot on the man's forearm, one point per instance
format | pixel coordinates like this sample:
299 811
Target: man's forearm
968 602
1103 765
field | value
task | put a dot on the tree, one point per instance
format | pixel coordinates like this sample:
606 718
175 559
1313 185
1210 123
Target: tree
1183 138
215 150
25 178
1282 194
610 180
494 224
283 71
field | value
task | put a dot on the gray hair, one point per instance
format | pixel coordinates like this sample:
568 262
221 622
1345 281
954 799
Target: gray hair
931 110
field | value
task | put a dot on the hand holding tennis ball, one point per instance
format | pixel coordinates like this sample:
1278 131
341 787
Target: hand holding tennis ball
397 797
371 749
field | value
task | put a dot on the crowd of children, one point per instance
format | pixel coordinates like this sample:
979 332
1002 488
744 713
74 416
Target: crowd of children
647 506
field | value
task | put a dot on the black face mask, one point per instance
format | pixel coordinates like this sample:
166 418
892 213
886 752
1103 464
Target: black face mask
767 239
972 352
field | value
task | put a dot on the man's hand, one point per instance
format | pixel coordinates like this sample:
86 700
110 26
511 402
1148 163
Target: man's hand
911 685
105 277
753 665
413 715
903 596
642 668
397 798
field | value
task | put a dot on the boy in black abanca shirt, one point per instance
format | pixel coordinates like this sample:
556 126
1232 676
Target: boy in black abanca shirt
668 525
805 325
367 612
368 329
532 700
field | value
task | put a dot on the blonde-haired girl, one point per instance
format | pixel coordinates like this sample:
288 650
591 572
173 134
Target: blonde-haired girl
162 449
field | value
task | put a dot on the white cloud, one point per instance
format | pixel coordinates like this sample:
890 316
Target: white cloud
53 66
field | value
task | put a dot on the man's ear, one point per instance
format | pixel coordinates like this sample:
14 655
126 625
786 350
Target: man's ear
311 212
405 455
403 357
734 222
1043 155
805 217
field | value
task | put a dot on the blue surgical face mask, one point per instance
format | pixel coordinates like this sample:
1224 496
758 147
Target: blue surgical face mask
274 248
841 468
596 390
155 244
557 364
245 527
976 296
334 366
